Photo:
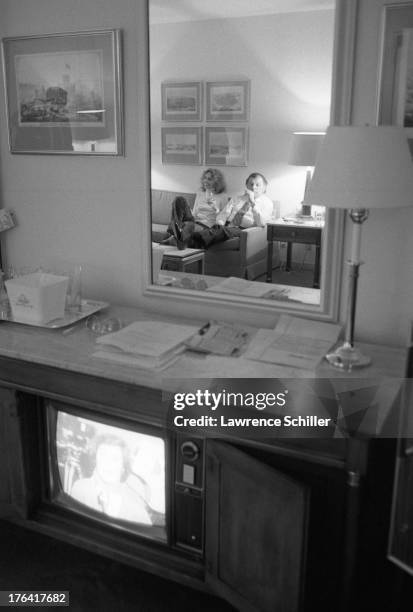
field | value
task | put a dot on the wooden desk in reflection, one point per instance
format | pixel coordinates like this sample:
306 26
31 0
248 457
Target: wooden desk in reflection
290 231
244 288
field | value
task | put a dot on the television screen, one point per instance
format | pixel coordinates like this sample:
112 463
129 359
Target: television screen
114 471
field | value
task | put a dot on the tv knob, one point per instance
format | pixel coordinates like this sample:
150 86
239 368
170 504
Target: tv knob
189 450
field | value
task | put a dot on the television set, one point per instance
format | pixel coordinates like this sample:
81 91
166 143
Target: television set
114 474
115 482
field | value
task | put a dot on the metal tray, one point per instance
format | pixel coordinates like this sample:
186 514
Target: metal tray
87 308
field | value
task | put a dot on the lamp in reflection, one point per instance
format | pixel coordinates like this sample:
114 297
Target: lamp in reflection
359 168
303 152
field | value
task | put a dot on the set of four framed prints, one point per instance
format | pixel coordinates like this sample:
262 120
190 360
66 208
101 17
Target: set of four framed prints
202 104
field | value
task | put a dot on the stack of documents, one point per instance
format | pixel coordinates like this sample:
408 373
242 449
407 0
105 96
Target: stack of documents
295 342
150 345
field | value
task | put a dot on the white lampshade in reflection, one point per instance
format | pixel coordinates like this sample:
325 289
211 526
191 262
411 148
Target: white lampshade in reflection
359 168
304 148
303 152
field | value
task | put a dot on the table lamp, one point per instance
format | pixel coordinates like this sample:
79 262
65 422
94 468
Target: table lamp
303 152
359 168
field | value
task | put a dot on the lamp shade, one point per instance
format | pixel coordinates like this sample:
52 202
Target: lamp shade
363 167
304 148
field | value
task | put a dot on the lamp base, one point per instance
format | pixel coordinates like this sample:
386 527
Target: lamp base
346 357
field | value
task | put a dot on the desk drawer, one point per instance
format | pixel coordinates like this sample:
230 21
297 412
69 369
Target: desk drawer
289 233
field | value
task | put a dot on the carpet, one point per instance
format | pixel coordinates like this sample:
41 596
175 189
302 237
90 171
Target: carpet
296 277
32 561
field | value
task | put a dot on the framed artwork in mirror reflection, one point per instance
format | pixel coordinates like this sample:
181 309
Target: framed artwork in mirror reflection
228 101
395 102
182 145
226 146
64 93
181 101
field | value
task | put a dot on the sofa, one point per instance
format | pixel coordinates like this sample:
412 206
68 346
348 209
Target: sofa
244 257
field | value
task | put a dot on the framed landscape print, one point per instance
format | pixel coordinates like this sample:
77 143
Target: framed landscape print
181 101
395 100
226 146
403 94
227 101
64 93
181 145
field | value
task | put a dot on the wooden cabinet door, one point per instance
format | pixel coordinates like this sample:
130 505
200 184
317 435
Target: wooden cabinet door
401 528
255 531
11 465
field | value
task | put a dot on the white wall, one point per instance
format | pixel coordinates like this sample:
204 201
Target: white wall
287 58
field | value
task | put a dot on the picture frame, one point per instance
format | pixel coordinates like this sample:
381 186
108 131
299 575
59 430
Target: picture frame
64 93
226 146
227 100
182 145
181 101
395 89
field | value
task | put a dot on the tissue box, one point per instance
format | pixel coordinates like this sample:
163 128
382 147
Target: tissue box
38 298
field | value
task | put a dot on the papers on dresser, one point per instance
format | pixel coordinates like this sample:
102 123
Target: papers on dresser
147 344
219 339
296 342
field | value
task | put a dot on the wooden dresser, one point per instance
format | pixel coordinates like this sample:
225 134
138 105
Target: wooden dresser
285 523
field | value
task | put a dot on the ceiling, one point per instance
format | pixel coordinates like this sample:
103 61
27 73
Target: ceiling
167 11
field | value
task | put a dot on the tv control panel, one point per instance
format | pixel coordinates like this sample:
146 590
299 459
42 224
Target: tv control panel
189 493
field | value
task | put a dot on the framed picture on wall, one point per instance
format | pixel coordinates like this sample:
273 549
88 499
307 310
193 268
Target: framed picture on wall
226 146
64 93
181 145
395 101
227 101
181 101
403 94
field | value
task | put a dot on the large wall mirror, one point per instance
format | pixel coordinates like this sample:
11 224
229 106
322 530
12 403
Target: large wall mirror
235 87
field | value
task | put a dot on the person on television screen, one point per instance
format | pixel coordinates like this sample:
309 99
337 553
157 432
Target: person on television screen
106 490
147 477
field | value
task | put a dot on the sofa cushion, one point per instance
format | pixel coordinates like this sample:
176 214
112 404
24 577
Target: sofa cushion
162 201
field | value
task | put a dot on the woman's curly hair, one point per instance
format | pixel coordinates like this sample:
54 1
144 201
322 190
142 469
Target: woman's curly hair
218 177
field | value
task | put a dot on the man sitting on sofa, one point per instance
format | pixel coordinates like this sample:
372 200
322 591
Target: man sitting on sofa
251 209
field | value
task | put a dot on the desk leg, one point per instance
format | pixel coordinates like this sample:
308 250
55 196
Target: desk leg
289 254
201 265
269 261
316 283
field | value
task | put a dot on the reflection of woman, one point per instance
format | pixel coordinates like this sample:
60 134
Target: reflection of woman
106 490
209 201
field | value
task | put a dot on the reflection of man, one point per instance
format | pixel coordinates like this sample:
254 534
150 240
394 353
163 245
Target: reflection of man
106 490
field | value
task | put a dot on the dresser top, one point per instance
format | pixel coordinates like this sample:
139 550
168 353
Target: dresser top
72 349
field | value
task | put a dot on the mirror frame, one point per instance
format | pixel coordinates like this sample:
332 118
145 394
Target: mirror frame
345 22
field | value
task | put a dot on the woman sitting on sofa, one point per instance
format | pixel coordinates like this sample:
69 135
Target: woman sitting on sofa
251 209
209 201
